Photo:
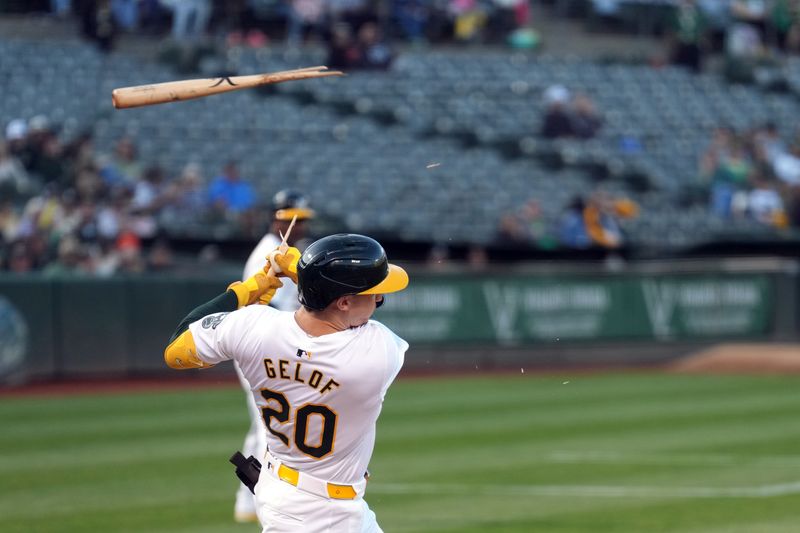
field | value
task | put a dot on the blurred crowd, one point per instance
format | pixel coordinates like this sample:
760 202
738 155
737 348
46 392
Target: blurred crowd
755 174
750 33
65 208
253 21
569 115
593 221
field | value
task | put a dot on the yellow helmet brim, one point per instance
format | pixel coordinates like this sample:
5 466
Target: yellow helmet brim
396 280
288 214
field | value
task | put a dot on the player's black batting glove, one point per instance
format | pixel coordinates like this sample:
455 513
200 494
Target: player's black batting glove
247 470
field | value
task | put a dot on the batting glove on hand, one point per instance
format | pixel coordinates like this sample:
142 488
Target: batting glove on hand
285 264
259 288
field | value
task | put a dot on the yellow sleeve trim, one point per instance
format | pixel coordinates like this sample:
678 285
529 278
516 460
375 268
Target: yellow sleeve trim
242 292
182 353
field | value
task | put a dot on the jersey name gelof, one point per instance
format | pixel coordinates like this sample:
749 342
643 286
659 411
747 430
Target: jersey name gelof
293 371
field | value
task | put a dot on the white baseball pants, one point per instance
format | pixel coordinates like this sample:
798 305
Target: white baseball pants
283 508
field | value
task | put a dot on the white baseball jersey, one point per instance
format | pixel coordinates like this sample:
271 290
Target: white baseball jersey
285 298
319 396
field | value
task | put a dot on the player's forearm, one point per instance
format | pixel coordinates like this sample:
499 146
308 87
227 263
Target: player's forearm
224 303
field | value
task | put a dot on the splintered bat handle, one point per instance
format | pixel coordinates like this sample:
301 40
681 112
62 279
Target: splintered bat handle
174 91
284 245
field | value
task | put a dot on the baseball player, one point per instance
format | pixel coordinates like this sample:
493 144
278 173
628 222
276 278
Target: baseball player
286 204
318 376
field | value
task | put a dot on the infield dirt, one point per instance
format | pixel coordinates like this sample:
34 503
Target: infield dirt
742 359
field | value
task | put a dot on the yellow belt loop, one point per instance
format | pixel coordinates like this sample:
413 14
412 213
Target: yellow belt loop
341 492
289 475
336 492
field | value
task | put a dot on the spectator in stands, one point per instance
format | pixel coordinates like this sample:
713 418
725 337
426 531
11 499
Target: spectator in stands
601 217
787 165
44 153
352 12
49 164
765 205
785 19
97 23
124 167
571 226
14 180
343 52
20 259
568 116
585 119
126 13
768 143
189 18
751 12
187 195
745 45
722 139
152 17
510 231
470 18
40 213
374 52
72 259
88 184
557 120
148 190
112 216
526 226
743 41
506 17
412 17
507 22
87 229
304 15
717 15
39 131
9 221
79 154
129 249
69 216
17 142
537 230
687 34
229 192
727 166
596 222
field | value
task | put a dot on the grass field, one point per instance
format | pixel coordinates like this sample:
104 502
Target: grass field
584 453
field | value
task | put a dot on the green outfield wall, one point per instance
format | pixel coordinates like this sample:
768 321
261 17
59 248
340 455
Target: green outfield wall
523 309
77 327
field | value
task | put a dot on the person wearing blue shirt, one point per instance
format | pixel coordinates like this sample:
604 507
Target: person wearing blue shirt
229 192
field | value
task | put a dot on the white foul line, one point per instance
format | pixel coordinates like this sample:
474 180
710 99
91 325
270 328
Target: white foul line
596 491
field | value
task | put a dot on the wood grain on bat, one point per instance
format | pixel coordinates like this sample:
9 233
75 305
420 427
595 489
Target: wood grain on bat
172 91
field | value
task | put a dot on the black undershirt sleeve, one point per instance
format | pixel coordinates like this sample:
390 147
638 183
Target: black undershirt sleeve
224 303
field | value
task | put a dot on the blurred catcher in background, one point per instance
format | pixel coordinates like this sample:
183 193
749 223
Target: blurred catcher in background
286 204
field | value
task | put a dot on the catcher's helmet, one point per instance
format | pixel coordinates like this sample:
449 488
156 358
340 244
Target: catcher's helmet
344 264
288 203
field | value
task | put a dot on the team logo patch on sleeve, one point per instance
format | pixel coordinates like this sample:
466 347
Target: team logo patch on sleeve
212 321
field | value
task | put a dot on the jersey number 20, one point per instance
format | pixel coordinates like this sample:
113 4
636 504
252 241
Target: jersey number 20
301 421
